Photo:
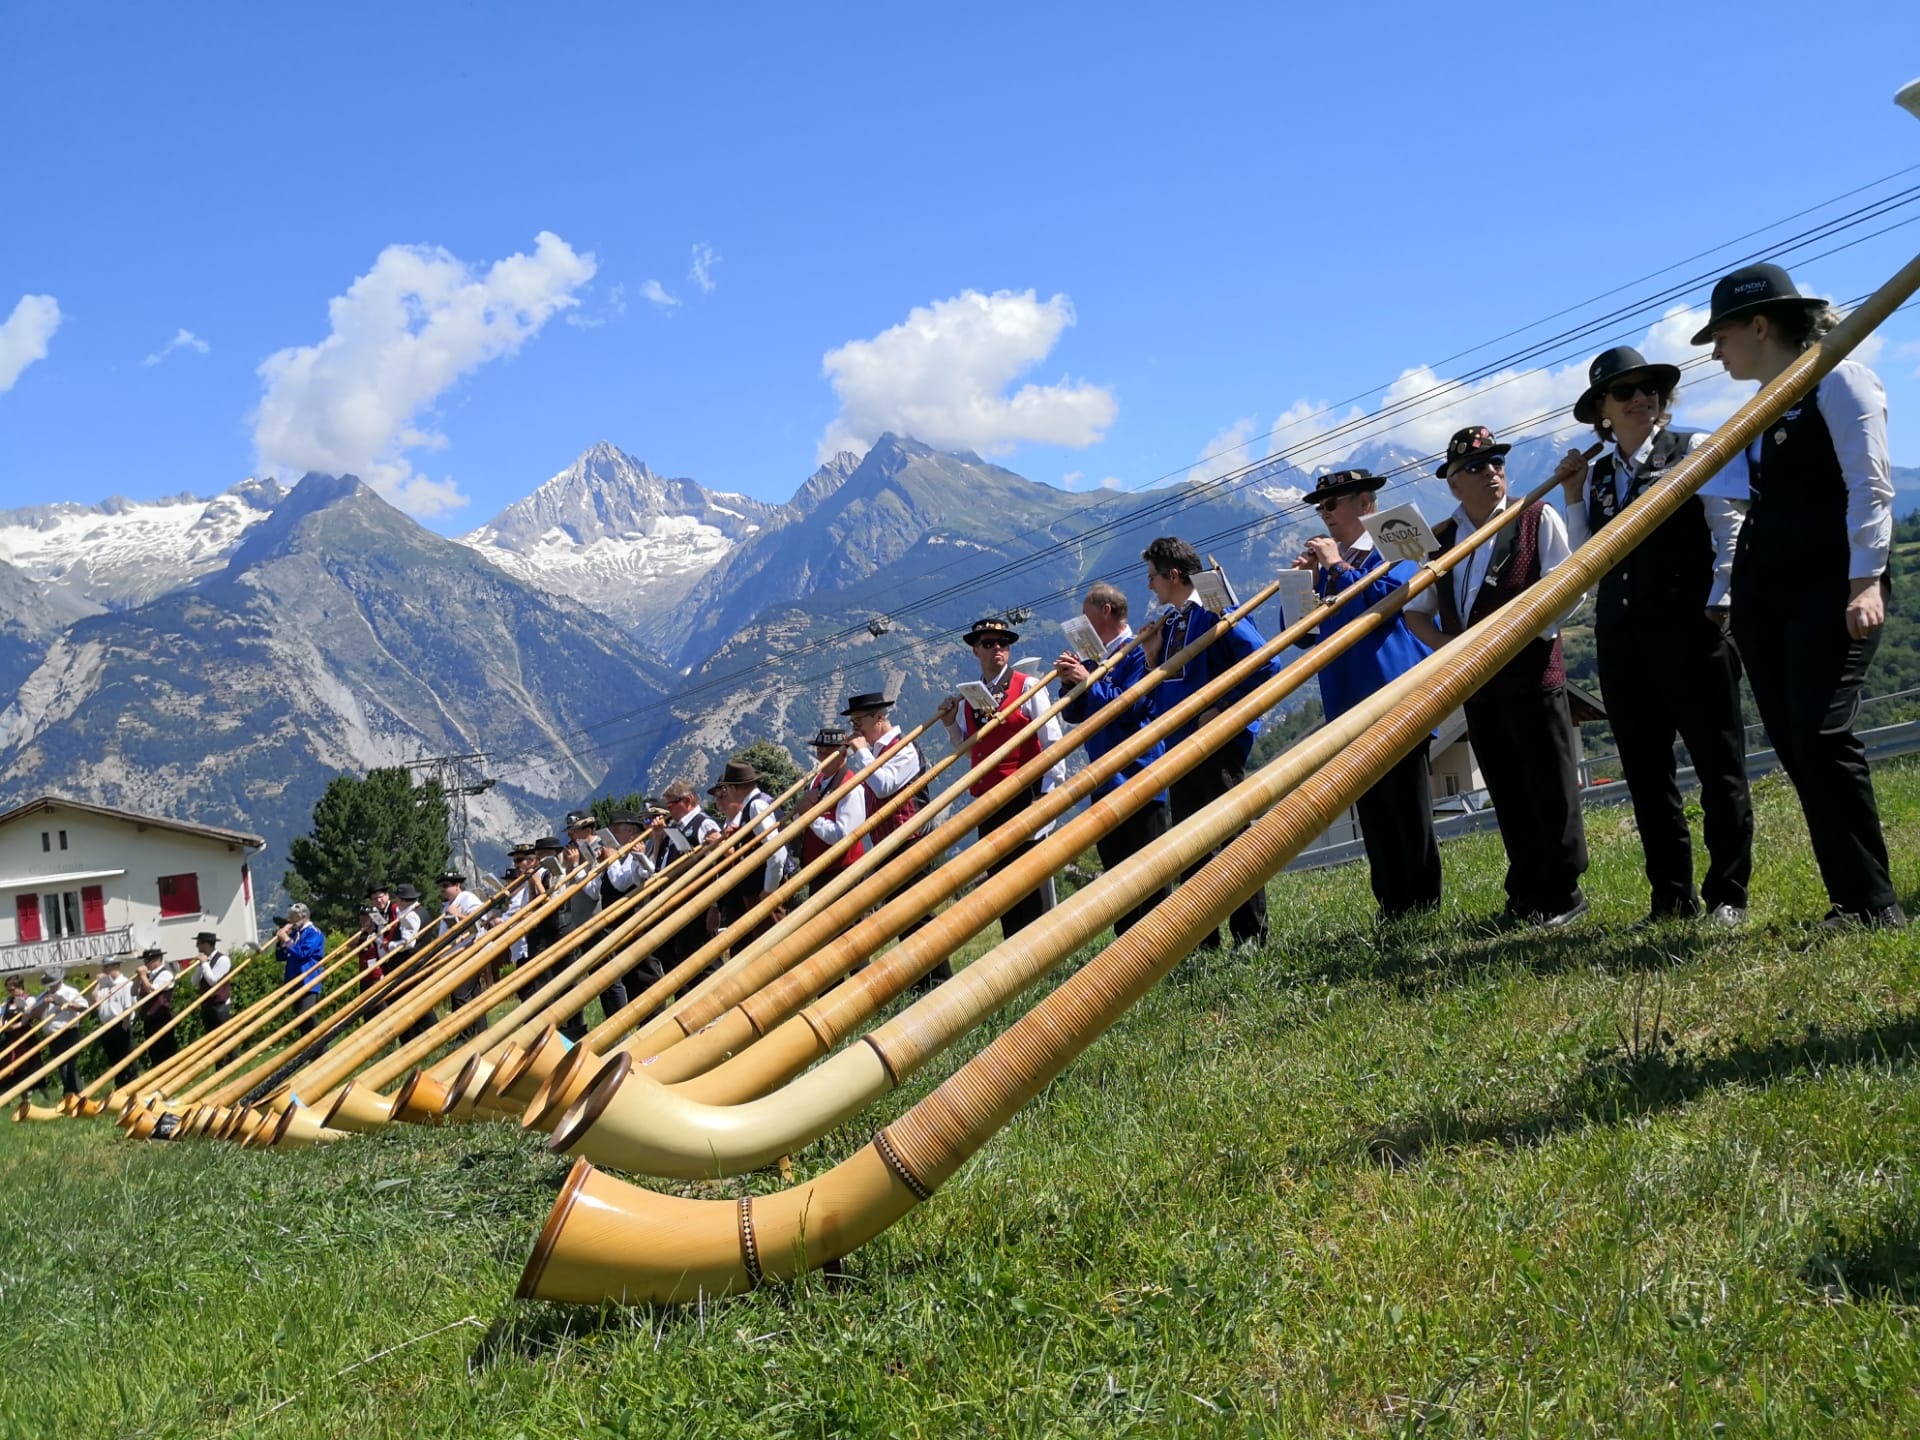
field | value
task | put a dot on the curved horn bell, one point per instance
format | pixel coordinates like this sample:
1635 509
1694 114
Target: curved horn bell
629 1120
607 1240
359 1109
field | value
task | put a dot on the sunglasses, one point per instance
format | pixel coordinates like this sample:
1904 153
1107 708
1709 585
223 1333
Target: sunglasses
1474 467
1327 507
1627 389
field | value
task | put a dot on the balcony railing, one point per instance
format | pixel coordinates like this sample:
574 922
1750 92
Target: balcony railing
67 950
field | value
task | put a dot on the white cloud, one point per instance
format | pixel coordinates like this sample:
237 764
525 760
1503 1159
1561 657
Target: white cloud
1427 410
1225 453
403 334
23 339
182 340
658 294
941 376
615 307
702 271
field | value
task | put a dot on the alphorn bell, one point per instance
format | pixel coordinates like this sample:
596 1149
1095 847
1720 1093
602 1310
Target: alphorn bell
605 1239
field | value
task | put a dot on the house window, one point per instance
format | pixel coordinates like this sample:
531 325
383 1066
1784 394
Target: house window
46 840
62 914
179 895
63 839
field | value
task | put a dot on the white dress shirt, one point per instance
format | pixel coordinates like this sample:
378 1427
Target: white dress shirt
1854 404
1467 577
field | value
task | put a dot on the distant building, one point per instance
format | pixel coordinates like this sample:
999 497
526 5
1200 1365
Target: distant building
79 881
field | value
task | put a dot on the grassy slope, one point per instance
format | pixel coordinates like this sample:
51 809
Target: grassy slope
1433 1181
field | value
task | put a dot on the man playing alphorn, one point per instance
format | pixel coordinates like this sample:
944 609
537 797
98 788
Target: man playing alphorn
992 641
1396 815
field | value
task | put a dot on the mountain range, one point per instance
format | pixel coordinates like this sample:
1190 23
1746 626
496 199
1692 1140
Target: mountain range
220 659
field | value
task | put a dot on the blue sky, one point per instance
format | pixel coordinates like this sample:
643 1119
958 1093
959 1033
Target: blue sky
306 222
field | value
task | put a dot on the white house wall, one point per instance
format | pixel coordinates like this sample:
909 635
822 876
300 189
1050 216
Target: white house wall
132 899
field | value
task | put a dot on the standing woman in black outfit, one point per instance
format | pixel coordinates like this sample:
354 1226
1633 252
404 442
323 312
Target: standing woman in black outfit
1667 668
1810 587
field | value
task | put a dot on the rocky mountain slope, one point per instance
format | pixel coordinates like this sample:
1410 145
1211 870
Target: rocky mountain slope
340 635
915 538
612 537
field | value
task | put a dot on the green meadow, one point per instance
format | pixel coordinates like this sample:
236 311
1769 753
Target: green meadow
1427 1180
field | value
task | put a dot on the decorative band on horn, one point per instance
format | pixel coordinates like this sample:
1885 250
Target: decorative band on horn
749 1247
899 1168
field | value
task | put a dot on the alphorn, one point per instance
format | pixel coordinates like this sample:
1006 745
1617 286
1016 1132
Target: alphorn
715 1033
325 1071
605 1239
897 861
24 1087
27 1046
206 994
630 1119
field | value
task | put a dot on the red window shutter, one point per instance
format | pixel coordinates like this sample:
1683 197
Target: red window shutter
93 909
246 882
27 907
179 895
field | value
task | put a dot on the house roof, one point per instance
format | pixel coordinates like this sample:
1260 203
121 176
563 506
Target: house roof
48 803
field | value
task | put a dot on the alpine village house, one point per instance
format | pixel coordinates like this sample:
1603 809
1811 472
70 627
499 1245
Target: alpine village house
79 882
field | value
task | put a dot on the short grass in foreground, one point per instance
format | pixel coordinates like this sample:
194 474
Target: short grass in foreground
1433 1180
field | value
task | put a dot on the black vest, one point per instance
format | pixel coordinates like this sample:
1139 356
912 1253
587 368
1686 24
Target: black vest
1513 564
1796 530
1673 567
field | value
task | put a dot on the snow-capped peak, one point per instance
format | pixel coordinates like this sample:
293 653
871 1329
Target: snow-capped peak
123 552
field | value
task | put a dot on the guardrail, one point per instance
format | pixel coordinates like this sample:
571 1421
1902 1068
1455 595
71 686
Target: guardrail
66 950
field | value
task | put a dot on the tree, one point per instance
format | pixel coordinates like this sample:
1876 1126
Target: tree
384 829
603 806
777 769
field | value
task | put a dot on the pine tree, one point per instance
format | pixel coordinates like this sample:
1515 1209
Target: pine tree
776 767
384 829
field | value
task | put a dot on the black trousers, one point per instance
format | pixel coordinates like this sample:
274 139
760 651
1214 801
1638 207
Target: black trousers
164 1047
1396 822
1140 830
302 1008
1681 678
1525 749
1037 901
115 1042
1806 672
1192 793
213 1015
62 1046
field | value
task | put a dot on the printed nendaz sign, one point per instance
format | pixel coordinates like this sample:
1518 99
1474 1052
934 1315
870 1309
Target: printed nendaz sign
1402 533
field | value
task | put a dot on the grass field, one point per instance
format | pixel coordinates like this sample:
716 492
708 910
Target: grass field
1429 1181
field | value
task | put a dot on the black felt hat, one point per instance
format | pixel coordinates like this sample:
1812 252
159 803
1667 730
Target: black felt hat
871 700
405 892
829 736
1750 288
1473 443
1609 367
549 842
451 877
582 820
206 937
991 625
627 817
1344 482
736 772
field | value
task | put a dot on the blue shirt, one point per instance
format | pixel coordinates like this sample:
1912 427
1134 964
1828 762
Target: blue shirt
1386 654
1238 643
302 955
1130 671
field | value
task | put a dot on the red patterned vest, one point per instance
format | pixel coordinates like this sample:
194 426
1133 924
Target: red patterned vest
986 741
812 847
908 809
1514 565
